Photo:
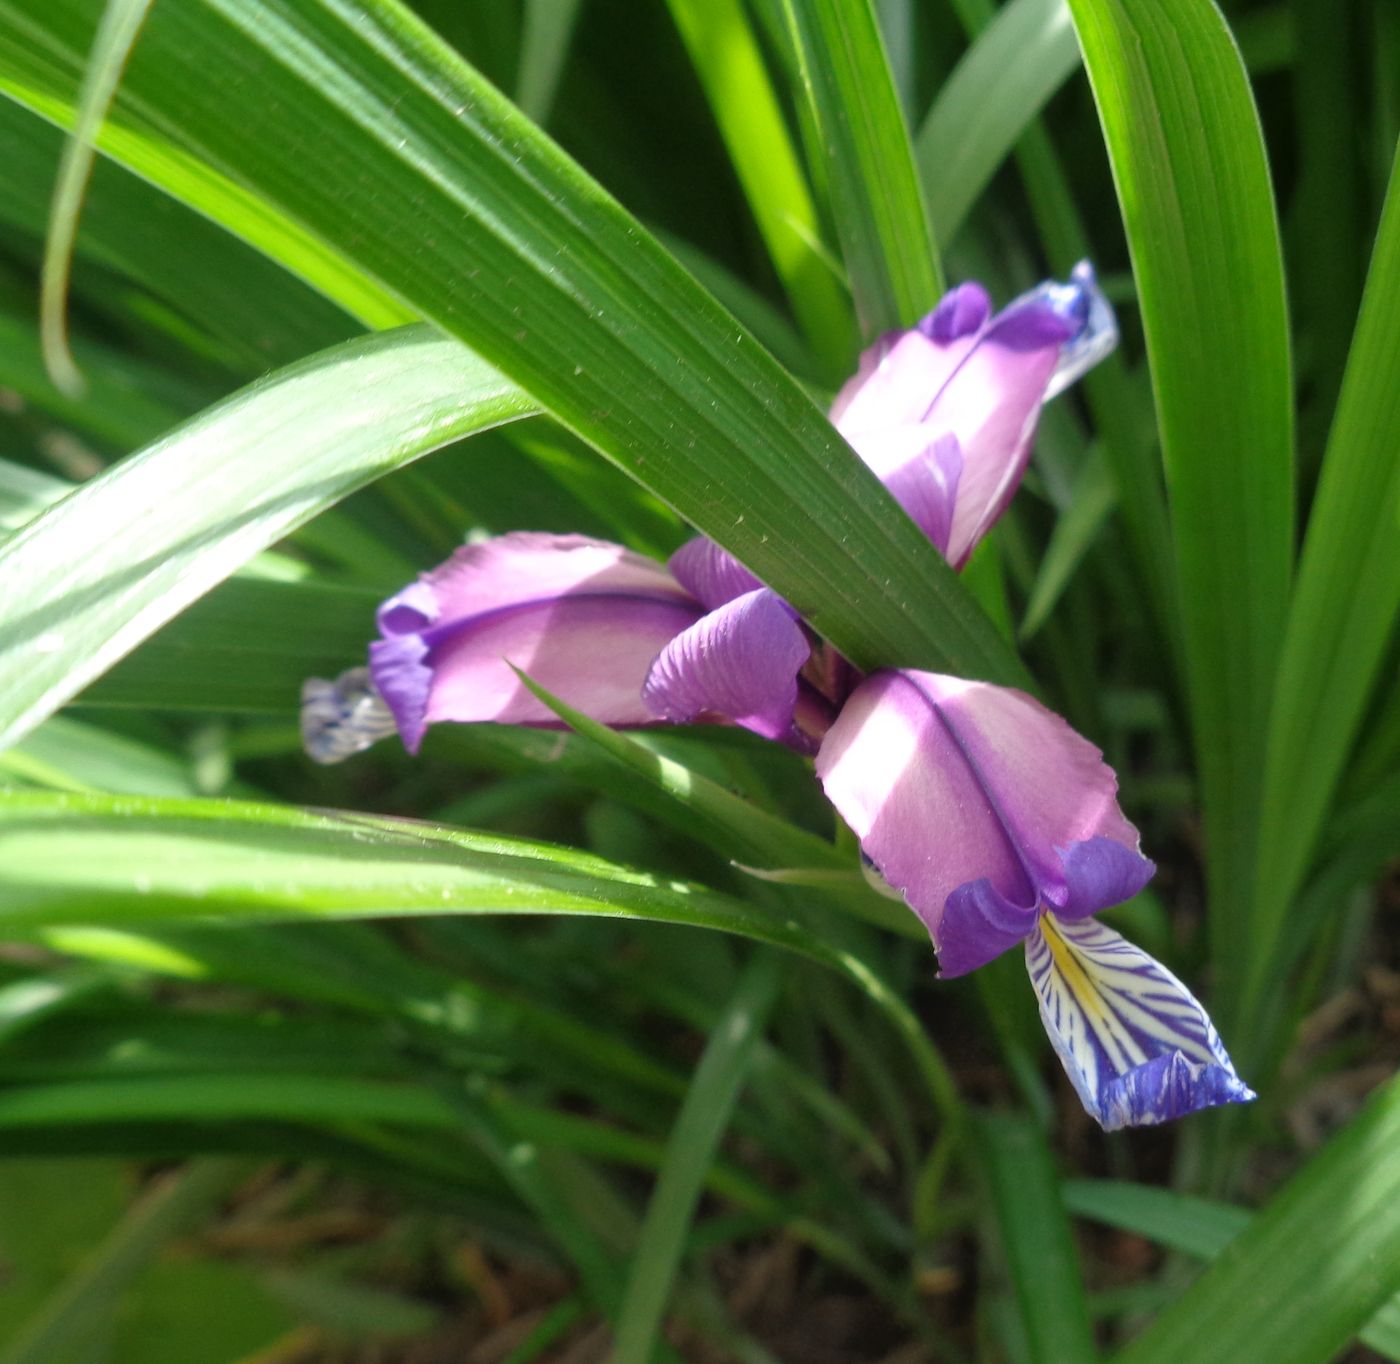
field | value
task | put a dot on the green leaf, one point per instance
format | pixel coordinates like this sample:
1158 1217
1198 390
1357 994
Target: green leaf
122 860
544 46
1079 526
689 1154
876 199
1188 160
116 32
515 249
1194 1226
1312 1268
727 58
1002 82
248 310
1035 1236
164 526
1345 605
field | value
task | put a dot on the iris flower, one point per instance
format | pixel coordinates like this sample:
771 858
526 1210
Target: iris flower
998 825
993 820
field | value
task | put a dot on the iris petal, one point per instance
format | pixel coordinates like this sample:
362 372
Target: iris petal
343 717
739 663
1136 1044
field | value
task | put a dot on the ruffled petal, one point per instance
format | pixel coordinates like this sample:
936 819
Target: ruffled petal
981 806
710 574
1137 1046
738 663
582 617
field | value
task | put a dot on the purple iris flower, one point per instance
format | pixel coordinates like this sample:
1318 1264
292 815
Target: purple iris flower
984 811
999 825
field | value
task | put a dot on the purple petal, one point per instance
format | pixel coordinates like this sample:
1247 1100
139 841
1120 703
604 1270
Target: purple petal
960 312
525 566
591 650
991 405
583 618
927 488
979 924
738 663
982 386
1134 1041
1094 329
980 805
1101 872
710 574
899 376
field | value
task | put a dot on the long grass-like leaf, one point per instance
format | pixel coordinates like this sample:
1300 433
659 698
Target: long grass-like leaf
689 1153
121 22
1313 1267
1193 183
1200 1227
727 58
1003 81
166 525
1035 1236
875 194
1345 607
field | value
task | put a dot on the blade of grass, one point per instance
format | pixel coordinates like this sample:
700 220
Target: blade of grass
126 860
116 35
727 58
1002 82
876 199
171 522
1079 526
700 1126
1193 183
1200 1227
1315 1265
1344 609
122 861
734 825
546 30
1035 1235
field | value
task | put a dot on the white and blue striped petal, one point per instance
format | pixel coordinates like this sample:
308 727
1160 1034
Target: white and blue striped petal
1135 1043
343 717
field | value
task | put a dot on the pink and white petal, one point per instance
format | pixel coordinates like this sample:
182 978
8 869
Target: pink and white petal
524 566
991 405
709 573
1137 1046
927 488
1050 786
592 650
897 774
738 663
896 384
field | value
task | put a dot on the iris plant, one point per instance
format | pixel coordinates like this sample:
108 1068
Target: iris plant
985 812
